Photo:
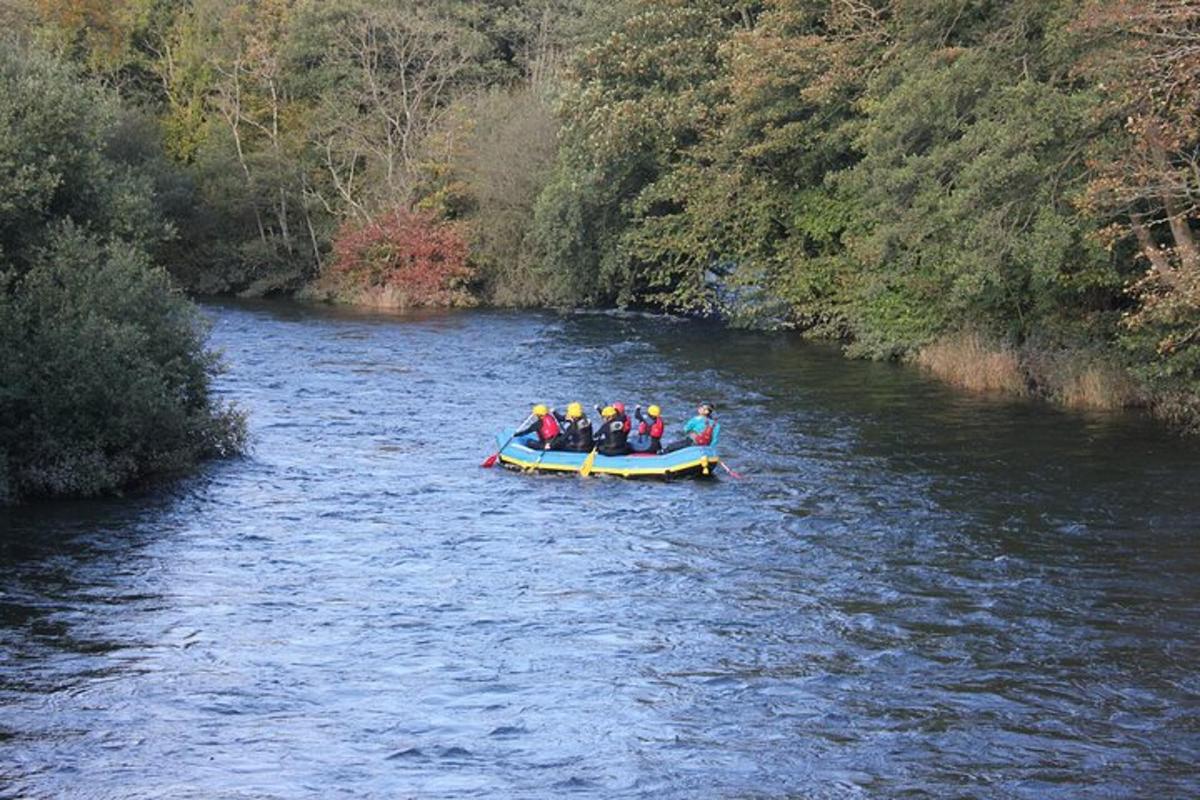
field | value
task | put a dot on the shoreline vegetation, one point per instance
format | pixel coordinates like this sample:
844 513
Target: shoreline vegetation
104 374
1005 194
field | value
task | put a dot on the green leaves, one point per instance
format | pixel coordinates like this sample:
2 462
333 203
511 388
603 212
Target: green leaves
968 164
106 374
104 377
640 105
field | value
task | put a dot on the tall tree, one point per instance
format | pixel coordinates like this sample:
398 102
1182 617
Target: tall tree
399 67
636 103
1145 175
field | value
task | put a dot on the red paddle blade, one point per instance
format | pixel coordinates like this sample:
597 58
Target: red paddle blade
736 475
490 460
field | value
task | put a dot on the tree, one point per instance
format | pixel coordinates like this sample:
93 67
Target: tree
399 67
53 162
104 377
1145 174
970 158
506 161
636 103
754 214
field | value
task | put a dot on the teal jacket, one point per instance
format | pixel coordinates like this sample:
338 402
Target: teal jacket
696 425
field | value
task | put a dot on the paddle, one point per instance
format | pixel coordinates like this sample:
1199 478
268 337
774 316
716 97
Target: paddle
586 468
730 471
490 461
534 465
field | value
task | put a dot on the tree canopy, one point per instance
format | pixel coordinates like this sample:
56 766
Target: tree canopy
887 172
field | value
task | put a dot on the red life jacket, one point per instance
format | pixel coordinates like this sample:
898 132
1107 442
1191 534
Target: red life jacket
704 437
549 428
655 429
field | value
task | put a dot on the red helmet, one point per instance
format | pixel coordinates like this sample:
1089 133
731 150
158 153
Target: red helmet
620 407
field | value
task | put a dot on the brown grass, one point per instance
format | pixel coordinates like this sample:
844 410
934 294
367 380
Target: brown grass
1099 387
378 298
1076 379
1083 380
1181 409
970 361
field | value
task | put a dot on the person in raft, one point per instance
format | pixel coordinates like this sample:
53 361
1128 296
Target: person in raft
546 425
619 407
698 431
650 430
612 438
576 435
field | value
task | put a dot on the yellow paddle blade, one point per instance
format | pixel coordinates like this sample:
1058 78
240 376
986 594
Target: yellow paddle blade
586 469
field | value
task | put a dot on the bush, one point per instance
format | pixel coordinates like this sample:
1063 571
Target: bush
400 259
1081 377
106 378
54 134
507 162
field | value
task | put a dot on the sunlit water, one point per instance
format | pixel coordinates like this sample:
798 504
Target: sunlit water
913 593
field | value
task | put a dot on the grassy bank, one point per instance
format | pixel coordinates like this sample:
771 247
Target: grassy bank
1079 379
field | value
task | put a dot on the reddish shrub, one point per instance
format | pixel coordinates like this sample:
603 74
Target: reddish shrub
401 258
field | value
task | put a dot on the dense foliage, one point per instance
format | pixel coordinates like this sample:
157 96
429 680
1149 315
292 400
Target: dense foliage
401 260
104 378
295 118
898 174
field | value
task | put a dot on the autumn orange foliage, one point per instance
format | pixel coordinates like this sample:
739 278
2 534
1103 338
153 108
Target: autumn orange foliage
401 259
1145 59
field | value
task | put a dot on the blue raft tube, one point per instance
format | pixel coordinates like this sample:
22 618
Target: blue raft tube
523 453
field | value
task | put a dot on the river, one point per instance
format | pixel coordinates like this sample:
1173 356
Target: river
912 593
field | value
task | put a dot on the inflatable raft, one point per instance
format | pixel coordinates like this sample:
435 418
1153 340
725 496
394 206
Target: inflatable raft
688 462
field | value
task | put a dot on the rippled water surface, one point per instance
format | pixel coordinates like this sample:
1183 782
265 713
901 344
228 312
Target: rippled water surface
912 594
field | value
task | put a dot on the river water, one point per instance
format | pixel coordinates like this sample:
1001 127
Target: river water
912 593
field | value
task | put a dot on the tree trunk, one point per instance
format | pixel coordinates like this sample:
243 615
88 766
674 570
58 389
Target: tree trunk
233 115
1181 230
283 220
1158 259
312 234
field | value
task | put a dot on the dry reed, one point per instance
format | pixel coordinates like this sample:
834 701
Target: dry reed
975 363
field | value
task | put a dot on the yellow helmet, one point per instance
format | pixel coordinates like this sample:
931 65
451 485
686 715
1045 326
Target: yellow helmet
608 411
654 411
541 410
574 411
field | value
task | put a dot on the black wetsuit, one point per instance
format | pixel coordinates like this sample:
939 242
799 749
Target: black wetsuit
619 446
576 435
613 437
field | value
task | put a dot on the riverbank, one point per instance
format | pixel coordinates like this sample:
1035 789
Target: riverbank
1081 379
